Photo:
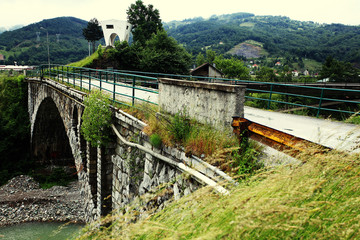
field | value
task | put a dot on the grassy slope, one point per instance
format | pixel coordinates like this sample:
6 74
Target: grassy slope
86 61
317 200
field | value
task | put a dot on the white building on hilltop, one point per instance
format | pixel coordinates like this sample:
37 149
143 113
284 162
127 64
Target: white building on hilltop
113 28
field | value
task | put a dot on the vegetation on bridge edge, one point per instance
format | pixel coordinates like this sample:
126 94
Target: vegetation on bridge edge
96 118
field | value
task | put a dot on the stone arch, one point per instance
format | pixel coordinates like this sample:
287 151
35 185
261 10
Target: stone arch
112 39
50 142
52 106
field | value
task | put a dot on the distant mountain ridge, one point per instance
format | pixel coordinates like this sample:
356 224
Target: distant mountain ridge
12 28
279 36
28 44
243 34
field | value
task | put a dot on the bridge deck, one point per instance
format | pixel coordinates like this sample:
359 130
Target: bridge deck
332 134
338 135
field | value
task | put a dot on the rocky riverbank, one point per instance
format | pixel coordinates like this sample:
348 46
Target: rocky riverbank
22 200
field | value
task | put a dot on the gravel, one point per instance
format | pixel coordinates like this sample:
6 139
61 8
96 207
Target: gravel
21 200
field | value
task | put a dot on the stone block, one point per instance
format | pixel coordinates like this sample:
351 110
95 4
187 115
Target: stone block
162 175
171 173
145 184
176 192
148 167
147 145
187 191
119 176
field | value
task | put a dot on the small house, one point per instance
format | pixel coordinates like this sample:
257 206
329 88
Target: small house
207 70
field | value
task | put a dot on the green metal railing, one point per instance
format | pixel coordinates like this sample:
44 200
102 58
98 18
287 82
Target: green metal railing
122 87
317 97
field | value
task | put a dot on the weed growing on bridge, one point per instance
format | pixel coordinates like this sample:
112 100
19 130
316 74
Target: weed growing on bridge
96 118
180 126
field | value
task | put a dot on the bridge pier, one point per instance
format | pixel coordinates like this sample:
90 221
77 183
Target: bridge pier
104 180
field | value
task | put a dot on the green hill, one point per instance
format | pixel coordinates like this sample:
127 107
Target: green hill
242 34
66 42
279 36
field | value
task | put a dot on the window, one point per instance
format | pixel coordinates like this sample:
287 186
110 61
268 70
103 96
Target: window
109 26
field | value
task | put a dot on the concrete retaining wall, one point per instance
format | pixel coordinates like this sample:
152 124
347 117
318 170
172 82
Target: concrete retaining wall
206 102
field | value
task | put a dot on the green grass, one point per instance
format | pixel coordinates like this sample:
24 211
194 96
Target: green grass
86 61
312 65
319 199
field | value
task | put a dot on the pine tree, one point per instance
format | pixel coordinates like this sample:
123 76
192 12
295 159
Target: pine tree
93 32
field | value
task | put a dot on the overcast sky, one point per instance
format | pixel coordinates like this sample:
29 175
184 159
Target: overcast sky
24 12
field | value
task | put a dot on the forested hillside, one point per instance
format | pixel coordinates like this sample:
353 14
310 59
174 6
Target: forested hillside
242 34
278 36
65 41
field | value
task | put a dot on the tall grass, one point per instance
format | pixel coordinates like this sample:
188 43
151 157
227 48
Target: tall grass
319 199
86 61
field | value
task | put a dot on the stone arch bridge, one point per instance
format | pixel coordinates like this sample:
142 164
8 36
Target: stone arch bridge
111 177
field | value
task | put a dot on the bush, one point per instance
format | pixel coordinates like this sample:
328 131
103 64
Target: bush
96 119
180 127
155 140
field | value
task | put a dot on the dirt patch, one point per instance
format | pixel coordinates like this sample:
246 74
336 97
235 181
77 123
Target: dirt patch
247 50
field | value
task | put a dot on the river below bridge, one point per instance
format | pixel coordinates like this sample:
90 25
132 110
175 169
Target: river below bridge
36 230
22 202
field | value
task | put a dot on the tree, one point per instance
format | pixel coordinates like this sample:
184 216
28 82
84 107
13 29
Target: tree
14 127
145 21
285 74
210 56
162 53
266 74
93 32
339 71
232 68
200 59
126 55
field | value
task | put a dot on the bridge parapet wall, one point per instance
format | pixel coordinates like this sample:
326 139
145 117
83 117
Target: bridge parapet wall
206 102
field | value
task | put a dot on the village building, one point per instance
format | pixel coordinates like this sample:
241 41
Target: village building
207 70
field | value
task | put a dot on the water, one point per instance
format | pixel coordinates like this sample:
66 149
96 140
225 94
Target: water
40 231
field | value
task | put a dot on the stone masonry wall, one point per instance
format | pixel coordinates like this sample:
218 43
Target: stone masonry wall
136 173
206 102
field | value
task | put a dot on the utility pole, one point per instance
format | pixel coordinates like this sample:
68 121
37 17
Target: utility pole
48 48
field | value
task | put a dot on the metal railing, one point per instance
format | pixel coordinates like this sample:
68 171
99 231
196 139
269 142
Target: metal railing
122 87
315 99
276 96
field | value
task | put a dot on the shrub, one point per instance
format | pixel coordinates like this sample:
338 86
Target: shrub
96 119
155 140
180 127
